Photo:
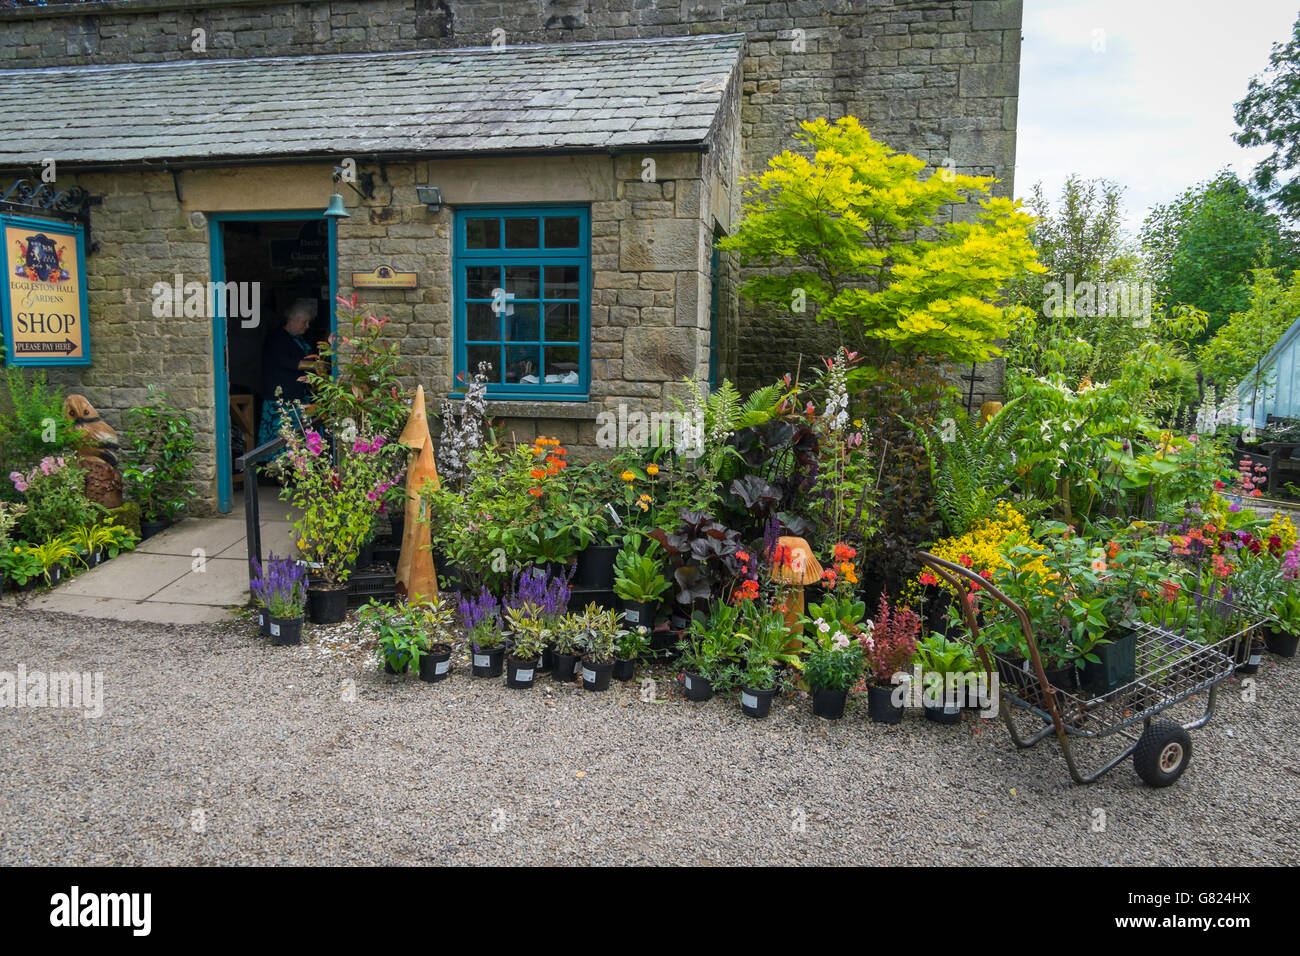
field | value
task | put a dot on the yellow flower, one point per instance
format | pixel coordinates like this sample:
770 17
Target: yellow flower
652 470
628 477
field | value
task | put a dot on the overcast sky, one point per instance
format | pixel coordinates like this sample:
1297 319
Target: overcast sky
1139 91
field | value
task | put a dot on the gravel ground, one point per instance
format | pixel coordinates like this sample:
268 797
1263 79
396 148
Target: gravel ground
215 748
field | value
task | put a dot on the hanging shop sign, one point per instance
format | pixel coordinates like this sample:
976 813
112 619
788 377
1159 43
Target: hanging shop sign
384 277
43 292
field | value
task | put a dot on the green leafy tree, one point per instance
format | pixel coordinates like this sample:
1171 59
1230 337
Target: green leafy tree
1269 115
1200 248
855 233
1248 335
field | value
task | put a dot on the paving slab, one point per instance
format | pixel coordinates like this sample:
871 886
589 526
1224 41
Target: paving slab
277 538
118 609
131 576
222 582
213 535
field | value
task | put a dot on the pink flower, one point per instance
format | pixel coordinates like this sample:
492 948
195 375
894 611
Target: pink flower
19 480
314 443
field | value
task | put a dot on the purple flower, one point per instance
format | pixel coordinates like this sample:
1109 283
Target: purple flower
537 586
314 443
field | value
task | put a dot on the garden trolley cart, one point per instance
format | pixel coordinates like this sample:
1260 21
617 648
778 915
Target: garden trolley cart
1166 668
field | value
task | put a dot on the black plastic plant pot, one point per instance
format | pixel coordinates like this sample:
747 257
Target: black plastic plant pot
829 703
880 705
520 674
755 702
1281 643
1063 678
488 661
398 523
595 567
150 528
327 605
624 670
566 667
547 661
366 556
436 665
639 613
263 622
698 687
945 712
285 631
595 676
1249 654
1117 665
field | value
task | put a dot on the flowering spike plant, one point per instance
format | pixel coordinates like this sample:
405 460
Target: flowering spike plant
481 615
541 590
888 641
280 586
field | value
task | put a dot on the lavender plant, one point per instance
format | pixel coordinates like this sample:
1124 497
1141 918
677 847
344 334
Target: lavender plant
280 586
539 588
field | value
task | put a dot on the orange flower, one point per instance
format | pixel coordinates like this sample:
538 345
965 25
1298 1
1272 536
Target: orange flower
535 492
652 470
537 474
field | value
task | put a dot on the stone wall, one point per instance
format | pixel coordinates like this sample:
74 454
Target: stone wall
937 79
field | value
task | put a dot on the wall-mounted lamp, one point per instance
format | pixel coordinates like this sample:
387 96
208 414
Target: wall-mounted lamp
431 196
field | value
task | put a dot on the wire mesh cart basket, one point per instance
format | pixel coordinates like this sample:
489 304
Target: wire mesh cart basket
1171 667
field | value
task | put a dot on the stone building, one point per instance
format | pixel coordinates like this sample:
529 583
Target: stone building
585 154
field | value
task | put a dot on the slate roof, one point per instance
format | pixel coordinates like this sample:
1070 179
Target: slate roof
574 96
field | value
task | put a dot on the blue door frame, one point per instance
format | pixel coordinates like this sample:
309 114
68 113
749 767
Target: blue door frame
220 367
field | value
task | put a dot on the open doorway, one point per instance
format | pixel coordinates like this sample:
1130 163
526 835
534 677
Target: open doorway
286 261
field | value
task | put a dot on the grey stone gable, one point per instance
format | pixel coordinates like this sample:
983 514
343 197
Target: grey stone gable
612 95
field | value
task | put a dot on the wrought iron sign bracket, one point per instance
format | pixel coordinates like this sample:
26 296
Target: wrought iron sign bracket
28 197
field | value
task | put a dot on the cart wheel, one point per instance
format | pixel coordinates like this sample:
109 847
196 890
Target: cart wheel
1162 754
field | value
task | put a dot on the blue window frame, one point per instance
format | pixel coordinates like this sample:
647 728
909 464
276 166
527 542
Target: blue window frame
522 286
714 263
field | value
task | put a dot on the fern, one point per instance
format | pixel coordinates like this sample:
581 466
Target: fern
973 471
760 406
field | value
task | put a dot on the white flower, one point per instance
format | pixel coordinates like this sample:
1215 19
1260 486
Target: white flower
823 626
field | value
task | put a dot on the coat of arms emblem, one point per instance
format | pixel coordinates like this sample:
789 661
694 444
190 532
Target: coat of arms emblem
41 259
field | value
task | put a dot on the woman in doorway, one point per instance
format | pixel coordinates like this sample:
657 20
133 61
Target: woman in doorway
286 358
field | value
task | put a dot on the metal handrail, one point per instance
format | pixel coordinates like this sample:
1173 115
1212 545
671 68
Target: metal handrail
247 463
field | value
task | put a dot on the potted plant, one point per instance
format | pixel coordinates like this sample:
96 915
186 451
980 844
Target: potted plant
481 616
20 567
633 644
51 555
943 664
704 554
888 643
711 649
158 462
600 641
1283 633
638 582
566 645
8 518
409 634
336 495
767 646
280 588
547 594
120 538
531 634
832 667
92 543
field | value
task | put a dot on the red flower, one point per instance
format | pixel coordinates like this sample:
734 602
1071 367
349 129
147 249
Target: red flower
928 578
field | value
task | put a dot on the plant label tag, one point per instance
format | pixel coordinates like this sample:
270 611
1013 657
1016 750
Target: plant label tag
688 682
748 700
441 667
632 616
589 676
275 630
618 522
1255 659
524 675
950 708
482 660
577 666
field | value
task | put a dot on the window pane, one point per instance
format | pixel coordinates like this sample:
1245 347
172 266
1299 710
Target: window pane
522 281
481 323
522 326
561 282
485 353
562 322
481 280
482 233
522 233
562 365
562 232
521 365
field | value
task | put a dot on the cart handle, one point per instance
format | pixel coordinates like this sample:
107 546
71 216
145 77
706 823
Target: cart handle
946 570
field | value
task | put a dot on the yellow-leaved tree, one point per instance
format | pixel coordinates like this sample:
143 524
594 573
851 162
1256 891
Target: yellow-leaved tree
856 235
